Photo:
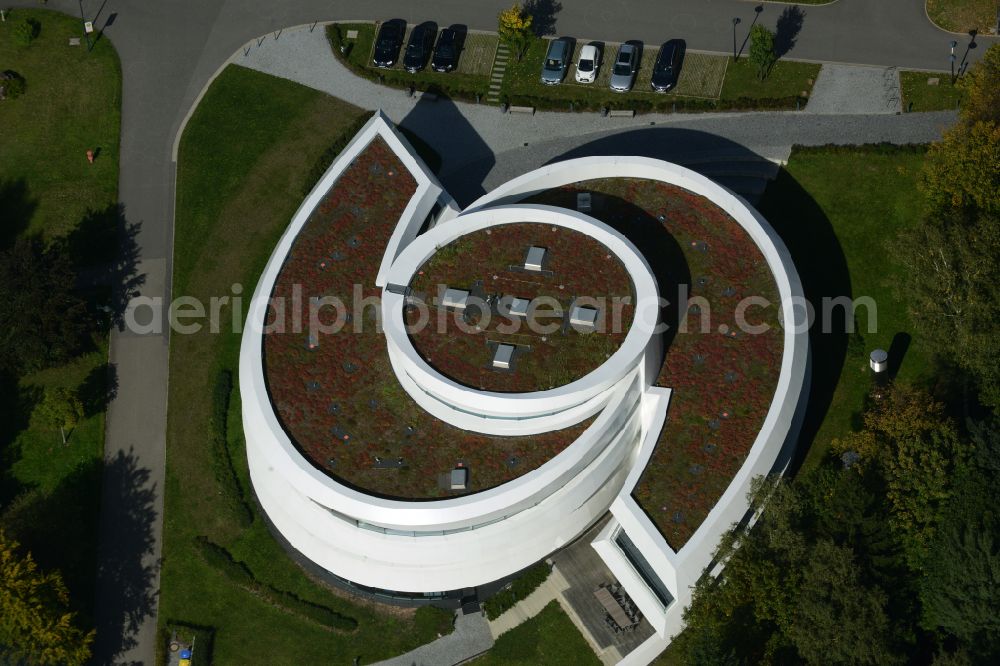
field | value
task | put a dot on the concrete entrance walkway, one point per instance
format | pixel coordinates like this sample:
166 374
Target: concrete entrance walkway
471 638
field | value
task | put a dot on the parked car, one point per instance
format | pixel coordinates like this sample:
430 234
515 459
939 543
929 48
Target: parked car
668 65
625 68
556 61
388 41
449 44
419 47
588 64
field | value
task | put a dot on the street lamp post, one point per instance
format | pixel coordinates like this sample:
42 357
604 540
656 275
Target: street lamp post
736 22
952 59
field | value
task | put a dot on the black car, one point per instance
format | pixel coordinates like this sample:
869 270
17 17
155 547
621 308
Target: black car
667 67
419 46
388 42
446 52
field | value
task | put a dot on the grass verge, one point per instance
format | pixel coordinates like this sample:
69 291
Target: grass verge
50 492
920 95
549 638
246 156
839 210
786 80
964 15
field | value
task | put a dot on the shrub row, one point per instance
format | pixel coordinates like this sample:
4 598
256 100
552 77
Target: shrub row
222 462
219 559
516 590
398 78
866 149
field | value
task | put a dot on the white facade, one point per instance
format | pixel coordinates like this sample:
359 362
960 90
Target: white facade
461 542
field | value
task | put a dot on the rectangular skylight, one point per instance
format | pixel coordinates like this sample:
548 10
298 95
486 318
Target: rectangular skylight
535 258
455 298
504 356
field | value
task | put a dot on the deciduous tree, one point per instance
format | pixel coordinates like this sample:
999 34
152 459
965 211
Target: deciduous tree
515 30
761 50
60 408
36 625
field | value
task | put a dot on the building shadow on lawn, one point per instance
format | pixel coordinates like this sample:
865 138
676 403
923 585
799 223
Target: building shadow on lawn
822 267
464 158
126 595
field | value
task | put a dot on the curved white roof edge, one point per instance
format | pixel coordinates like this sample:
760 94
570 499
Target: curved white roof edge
544 407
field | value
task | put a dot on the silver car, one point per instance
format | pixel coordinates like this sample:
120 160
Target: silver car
556 61
625 67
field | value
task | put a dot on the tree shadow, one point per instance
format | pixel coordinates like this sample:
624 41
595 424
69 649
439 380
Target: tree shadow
126 595
16 209
543 15
438 122
15 414
98 389
105 252
787 30
60 530
897 352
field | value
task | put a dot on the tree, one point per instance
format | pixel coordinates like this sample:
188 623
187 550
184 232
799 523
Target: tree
959 587
762 50
43 321
916 449
953 291
60 408
514 28
981 88
963 169
36 625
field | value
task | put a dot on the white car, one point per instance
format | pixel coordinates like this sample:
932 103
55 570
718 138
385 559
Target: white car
587 65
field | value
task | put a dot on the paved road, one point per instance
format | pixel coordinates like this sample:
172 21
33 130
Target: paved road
169 51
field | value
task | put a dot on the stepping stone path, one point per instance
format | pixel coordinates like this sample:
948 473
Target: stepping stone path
500 61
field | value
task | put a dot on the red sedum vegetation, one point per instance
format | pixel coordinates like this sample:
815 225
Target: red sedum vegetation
337 396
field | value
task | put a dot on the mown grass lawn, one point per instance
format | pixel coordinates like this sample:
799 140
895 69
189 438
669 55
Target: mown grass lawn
964 15
839 210
549 638
786 79
245 160
916 91
50 492
71 104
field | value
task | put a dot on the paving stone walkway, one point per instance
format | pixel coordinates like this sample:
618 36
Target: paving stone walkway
472 637
853 89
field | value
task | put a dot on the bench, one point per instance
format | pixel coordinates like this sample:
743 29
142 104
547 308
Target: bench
621 113
530 110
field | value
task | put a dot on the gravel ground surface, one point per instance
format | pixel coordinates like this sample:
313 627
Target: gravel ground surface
854 89
471 637
481 148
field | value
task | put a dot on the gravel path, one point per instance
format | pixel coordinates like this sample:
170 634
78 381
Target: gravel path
481 148
854 89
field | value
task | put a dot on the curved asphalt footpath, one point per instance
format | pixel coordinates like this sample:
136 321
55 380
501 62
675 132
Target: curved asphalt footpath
169 51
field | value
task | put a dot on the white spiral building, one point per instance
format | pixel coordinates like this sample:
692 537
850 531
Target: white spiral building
431 547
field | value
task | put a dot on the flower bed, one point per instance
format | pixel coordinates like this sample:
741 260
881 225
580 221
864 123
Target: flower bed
577 266
723 379
336 395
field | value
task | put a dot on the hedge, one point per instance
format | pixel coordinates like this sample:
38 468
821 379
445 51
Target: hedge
219 559
516 590
222 462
